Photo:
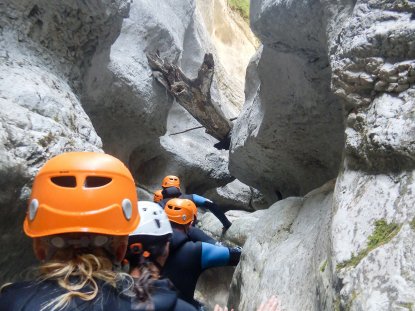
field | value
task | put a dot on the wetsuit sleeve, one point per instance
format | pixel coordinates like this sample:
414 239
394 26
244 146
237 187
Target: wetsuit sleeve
214 256
199 200
195 234
218 213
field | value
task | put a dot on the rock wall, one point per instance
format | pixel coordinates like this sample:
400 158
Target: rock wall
41 114
289 137
136 118
361 258
288 255
235 44
372 231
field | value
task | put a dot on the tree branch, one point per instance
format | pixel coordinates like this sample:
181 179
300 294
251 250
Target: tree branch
193 94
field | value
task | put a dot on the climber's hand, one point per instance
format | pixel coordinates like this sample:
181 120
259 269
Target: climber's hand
219 308
272 304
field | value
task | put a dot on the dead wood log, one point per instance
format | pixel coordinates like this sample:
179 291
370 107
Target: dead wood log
193 94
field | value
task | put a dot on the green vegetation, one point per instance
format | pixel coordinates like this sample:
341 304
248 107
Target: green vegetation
350 302
240 6
382 234
323 266
336 304
405 4
407 305
412 224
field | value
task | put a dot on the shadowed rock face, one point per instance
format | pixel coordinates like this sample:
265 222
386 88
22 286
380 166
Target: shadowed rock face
289 137
41 115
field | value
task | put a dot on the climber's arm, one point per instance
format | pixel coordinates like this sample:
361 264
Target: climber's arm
217 256
203 202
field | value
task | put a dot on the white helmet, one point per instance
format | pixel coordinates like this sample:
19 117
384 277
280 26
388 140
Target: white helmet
153 220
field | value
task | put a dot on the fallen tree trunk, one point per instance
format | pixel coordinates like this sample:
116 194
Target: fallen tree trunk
194 94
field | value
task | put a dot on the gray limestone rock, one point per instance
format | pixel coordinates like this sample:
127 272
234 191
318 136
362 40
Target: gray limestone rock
45 47
368 48
40 117
134 115
372 70
287 254
72 69
289 136
373 240
243 224
371 231
237 195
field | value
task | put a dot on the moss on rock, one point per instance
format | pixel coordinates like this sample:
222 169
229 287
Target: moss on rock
382 234
412 224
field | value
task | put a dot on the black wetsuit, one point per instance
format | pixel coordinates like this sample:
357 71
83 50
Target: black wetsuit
164 297
188 259
30 296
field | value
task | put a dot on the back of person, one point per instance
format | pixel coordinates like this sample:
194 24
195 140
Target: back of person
171 189
195 234
188 259
148 249
183 266
82 207
32 295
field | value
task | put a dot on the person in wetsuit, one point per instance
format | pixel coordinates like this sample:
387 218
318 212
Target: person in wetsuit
171 189
82 207
148 248
195 234
187 259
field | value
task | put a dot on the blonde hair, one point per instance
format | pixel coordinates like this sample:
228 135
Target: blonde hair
75 271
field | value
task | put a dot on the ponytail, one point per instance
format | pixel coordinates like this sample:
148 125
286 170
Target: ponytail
80 272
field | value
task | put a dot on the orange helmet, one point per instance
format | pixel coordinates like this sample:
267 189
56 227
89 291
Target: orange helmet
170 181
157 196
180 211
82 192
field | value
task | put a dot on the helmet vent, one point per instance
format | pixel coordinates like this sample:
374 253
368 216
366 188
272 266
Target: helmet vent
157 223
64 181
174 208
96 181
